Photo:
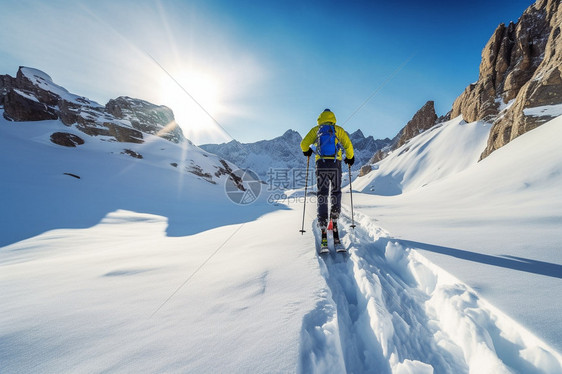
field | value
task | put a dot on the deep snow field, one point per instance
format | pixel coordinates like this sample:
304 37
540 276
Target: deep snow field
142 267
497 224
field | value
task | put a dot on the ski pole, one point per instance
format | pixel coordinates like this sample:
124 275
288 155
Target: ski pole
351 195
302 231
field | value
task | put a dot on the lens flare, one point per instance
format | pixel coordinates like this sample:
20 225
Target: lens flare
204 90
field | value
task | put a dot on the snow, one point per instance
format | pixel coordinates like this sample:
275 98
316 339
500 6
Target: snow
139 266
545 110
504 106
439 152
493 221
27 96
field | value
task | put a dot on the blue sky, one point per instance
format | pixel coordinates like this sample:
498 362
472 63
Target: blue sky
259 67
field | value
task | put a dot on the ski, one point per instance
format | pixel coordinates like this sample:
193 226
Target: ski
340 248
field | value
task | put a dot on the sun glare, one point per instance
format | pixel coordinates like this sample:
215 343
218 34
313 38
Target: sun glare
196 124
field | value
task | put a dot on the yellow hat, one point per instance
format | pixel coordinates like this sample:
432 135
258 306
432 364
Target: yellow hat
326 116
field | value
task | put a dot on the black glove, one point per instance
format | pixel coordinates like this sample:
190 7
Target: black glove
308 153
349 161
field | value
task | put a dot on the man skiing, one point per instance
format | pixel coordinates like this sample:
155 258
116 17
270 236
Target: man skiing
329 139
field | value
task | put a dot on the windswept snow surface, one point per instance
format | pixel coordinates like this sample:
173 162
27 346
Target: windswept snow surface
154 270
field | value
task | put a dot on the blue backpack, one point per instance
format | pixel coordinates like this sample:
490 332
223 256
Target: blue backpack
326 141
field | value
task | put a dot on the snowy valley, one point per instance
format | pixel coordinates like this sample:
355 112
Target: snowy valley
124 247
142 265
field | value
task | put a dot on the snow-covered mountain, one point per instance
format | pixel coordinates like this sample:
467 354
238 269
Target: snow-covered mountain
33 96
116 263
75 121
265 157
365 147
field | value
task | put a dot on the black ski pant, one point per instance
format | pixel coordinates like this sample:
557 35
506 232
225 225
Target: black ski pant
328 182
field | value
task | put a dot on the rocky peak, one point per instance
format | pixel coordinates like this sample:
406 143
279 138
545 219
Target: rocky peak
33 96
357 135
509 60
424 119
146 117
291 136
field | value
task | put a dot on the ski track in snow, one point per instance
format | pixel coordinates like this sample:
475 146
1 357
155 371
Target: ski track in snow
389 310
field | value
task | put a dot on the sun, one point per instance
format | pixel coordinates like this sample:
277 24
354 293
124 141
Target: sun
195 98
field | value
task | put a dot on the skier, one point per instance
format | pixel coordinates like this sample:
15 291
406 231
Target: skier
329 139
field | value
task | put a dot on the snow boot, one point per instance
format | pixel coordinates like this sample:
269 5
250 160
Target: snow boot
324 242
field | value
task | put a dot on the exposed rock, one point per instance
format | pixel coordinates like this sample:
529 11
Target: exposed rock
132 153
37 87
227 170
424 119
509 60
365 169
146 117
66 139
71 113
379 156
109 129
197 170
6 83
444 118
19 106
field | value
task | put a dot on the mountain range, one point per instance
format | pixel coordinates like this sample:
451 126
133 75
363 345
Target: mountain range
284 153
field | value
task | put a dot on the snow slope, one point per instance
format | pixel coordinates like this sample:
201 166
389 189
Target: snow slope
39 196
443 150
496 225
139 266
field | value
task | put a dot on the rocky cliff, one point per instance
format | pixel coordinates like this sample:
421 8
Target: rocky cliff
33 96
520 69
424 119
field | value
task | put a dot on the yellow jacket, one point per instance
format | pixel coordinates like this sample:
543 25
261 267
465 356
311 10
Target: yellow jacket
341 136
